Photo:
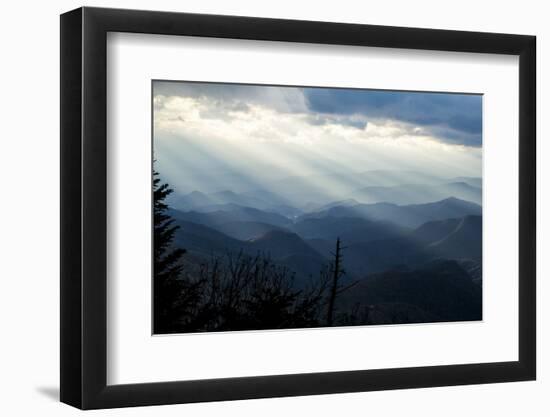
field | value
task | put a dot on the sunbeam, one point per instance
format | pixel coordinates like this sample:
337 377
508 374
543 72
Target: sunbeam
213 138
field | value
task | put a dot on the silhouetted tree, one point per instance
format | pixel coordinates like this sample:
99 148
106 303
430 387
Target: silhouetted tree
243 292
235 292
337 273
174 297
336 288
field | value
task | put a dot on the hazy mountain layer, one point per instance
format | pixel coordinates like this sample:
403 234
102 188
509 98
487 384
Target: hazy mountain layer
412 215
416 194
406 290
293 196
413 248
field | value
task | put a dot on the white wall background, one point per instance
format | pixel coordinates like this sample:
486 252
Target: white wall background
29 237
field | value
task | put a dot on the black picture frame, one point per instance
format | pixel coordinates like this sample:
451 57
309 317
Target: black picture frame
84 207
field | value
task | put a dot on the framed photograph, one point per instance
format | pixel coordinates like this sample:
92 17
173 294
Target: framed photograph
257 208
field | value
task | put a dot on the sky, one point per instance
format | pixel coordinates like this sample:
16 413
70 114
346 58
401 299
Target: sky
210 137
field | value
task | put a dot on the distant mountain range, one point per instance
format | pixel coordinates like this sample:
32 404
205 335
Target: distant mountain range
411 242
232 213
462 241
341 183
349 229
412 215
282 246
415 193
306 245
299 195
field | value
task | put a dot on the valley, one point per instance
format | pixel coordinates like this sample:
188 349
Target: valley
392 253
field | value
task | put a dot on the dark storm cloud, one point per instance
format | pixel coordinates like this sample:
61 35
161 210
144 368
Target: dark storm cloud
455 118
451 118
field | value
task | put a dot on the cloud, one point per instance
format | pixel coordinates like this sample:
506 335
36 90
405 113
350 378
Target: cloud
451 118
454 118
284 100
319 119
213 137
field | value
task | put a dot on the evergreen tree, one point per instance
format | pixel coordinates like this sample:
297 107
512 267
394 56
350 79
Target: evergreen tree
174 297
240 292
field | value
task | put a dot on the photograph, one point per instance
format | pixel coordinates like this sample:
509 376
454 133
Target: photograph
285 207
273 205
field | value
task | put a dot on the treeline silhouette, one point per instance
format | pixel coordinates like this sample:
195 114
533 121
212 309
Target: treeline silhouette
236 291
